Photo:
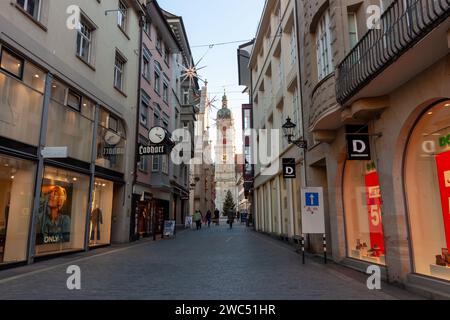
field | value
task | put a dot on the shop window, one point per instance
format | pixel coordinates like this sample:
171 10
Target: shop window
20 110
427 185
12 63
363 218
101 214
16 200
62 212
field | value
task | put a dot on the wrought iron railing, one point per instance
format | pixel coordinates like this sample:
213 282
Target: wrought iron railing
402 25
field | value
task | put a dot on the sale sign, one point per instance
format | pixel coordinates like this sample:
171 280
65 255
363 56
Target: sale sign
443 169
373 200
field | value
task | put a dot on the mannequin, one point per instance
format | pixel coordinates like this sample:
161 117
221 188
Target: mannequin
96 220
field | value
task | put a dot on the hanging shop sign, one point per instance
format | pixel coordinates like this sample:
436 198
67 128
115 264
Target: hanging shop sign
313 213
443 169
289 168
152 150
358 143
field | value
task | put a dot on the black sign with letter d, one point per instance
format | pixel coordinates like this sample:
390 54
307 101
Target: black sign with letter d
358 143
289 168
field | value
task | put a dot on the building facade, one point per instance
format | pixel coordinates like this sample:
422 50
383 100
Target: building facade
225 151
275 95
389 85
202 185
68 117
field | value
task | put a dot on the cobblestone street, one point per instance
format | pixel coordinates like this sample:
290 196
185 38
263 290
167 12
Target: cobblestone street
210 264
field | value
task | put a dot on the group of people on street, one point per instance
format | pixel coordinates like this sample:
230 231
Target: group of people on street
199 219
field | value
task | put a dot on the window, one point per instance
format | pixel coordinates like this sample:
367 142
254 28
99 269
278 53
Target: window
165 92
323 43
143 162
146 64
155 163
32 7
363 215
159 44
122 15
73 100
148 28
352 29
113 124
427 168
84 42
145 106
156 121
119 72
293 47
165 164
157 77
167 56
185 97
12 63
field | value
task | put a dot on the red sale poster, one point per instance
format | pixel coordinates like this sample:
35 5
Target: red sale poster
373 200
443 169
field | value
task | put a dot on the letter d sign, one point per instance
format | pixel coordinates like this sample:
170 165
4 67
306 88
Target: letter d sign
358 147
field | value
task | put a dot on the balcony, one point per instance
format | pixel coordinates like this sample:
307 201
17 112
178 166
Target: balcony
402 26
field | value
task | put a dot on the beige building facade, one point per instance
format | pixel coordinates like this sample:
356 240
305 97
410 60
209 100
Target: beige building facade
275 97
68 100
387 86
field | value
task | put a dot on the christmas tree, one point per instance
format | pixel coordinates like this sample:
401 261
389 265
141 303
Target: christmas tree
228 205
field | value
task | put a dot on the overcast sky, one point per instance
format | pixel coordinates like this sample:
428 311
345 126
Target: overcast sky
217 21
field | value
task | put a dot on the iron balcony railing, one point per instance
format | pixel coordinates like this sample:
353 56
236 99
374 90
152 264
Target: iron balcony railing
401 26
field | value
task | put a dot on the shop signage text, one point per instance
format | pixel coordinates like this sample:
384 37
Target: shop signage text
358 147
152 150
289 168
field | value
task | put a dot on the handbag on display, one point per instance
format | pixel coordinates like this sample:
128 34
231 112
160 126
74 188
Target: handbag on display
440 261
446 255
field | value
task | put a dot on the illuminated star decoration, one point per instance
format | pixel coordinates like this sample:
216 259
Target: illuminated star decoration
191 73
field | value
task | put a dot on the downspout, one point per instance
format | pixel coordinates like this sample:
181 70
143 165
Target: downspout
138 106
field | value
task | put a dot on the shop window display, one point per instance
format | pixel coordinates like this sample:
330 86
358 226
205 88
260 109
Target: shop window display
101 214
363 218
62 211
427 184
16 200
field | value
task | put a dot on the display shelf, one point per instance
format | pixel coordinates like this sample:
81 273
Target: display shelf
440 271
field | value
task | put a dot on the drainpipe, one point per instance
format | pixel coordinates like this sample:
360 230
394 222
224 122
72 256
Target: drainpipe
138 106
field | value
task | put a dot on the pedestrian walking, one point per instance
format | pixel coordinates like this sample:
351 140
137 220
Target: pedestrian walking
231 217
208 218
198 219
217 216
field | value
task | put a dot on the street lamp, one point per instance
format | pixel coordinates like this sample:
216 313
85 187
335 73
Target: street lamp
288 130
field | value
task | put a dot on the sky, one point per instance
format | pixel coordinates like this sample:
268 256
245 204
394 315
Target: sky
217 21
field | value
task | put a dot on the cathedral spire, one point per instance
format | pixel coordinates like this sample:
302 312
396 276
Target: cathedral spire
224 100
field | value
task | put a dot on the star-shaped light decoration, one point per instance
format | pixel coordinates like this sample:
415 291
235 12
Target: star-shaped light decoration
191 73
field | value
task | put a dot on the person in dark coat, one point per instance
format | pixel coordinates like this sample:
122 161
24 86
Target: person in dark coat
208 218
231 217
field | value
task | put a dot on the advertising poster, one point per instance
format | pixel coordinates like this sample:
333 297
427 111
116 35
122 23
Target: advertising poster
54 212
443 169
373 200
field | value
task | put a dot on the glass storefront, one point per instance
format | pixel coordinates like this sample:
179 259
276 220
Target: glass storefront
21 99
101 215
362 204
16 201
78 120
62 212
427 184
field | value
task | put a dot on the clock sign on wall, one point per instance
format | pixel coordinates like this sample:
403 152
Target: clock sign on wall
158 143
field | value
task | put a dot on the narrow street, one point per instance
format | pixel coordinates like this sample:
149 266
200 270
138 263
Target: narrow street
211 264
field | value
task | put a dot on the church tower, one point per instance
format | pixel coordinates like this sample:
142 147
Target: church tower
225 155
